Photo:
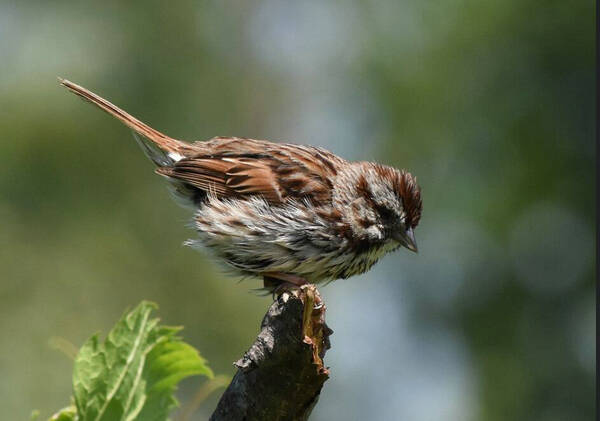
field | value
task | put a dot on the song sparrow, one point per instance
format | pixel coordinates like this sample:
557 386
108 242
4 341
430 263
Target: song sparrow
289 213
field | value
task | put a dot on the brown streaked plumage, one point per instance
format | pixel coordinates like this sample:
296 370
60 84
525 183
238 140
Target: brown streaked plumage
282 211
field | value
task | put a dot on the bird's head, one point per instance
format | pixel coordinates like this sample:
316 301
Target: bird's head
388 204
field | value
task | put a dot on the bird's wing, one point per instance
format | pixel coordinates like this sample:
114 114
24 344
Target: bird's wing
235 167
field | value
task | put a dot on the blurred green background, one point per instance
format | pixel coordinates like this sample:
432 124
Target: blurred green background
490 104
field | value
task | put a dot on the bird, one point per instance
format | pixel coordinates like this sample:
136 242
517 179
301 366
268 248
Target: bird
291 214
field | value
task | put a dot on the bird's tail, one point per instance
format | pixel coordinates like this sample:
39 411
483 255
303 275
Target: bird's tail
160 148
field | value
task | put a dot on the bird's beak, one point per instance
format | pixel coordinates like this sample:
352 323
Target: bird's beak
409 240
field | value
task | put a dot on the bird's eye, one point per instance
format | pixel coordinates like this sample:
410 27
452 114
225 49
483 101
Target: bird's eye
385 213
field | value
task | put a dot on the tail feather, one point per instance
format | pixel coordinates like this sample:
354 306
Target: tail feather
160 148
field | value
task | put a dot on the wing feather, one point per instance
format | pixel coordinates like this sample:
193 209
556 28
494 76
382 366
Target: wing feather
235 167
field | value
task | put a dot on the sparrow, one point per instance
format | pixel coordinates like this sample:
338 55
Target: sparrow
292 214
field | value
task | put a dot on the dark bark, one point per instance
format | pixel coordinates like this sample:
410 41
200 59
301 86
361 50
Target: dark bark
280 377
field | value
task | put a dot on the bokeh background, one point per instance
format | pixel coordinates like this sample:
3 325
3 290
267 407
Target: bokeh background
490 104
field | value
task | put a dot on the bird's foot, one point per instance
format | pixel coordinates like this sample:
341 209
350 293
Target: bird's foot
286 282
287 277
314 329
280 282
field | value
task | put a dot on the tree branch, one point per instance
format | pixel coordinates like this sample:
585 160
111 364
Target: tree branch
280 377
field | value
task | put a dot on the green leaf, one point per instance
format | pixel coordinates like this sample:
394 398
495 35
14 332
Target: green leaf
66 414
133 374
